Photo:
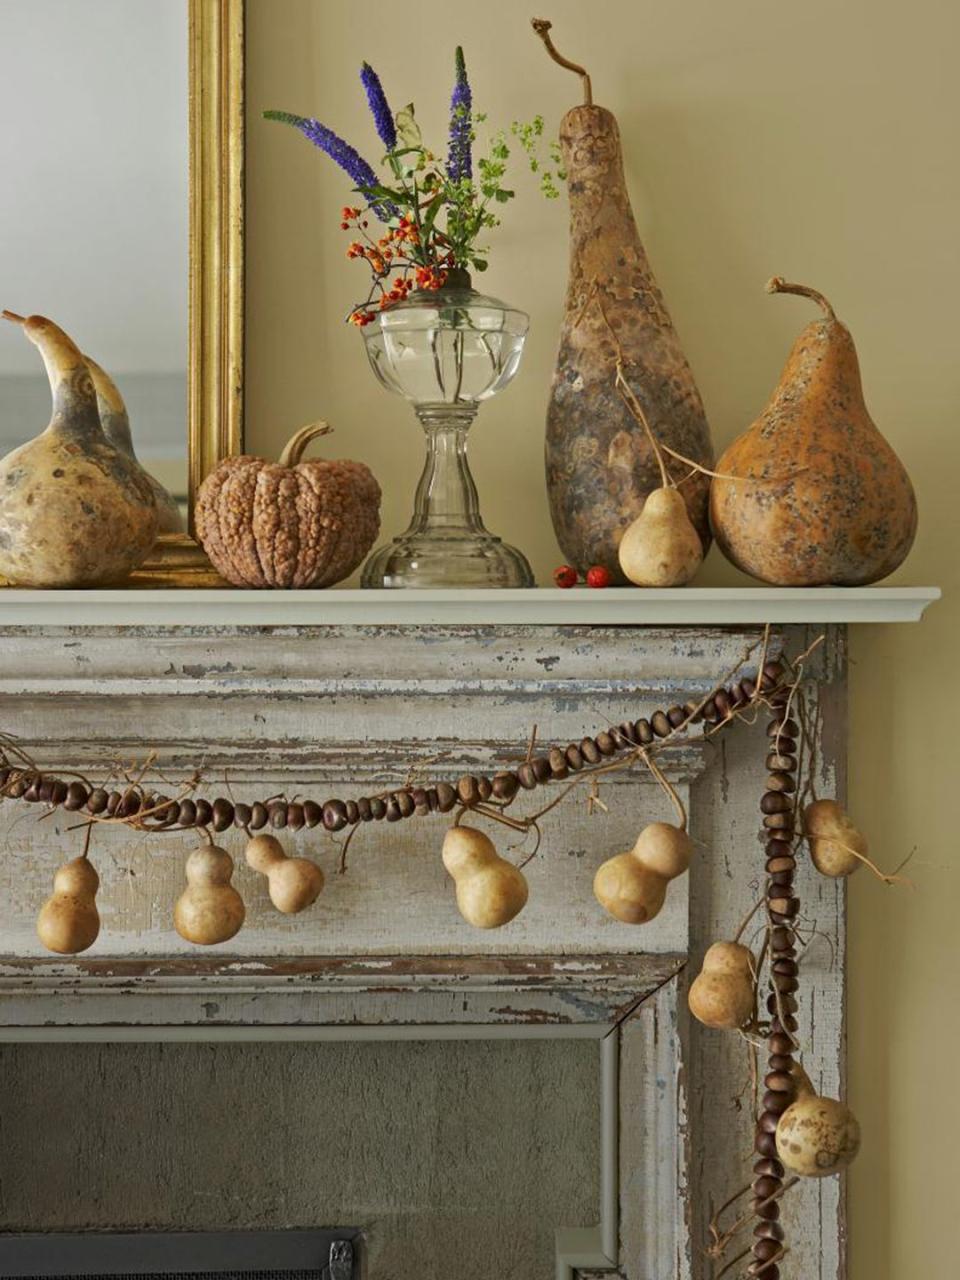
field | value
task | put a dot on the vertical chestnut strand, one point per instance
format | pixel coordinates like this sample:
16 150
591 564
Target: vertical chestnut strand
777 807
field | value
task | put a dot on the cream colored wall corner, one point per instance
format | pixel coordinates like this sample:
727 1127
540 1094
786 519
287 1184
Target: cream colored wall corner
818 141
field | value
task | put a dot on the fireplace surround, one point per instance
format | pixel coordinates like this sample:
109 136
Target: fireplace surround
384 957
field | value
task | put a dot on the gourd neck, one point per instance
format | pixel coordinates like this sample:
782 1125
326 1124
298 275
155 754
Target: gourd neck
446 496
71 386
112 411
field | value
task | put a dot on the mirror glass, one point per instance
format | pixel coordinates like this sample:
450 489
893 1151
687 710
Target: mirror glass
94 215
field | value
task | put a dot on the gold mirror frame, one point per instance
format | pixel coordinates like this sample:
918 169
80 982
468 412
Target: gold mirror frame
215 358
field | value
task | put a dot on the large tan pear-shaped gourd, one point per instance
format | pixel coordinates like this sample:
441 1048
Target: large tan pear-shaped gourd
116 426
835 506
74 510
599 461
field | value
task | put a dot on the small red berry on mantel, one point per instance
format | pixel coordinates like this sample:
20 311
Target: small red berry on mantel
598 576
565 576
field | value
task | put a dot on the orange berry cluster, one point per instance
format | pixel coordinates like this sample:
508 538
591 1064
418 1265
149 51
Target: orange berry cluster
385 256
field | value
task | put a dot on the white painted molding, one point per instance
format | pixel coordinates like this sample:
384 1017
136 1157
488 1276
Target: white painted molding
623 606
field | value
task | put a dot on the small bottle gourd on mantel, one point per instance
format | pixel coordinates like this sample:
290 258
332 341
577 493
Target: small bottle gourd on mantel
74 510
601 466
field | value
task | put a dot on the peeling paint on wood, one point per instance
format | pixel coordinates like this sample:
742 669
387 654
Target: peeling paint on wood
294 709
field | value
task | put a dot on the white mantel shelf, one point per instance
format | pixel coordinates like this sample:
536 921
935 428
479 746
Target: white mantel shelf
550 606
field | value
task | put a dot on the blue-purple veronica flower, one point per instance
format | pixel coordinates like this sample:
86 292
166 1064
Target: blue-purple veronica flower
347 157
459 159
379 107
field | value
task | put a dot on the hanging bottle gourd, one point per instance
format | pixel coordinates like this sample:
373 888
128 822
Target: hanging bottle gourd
490 890
116 426
600 463
209 910
722 993
632 886
74 510
68 921
292 883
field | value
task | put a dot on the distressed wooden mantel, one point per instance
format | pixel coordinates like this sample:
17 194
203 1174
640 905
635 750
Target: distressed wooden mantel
348 707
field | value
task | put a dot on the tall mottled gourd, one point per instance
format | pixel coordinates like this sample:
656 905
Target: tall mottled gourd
811 494
74 510
600 464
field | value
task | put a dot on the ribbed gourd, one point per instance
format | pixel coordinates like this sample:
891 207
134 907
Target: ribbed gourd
290 523
75 511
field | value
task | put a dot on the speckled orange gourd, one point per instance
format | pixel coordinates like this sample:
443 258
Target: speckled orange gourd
819 497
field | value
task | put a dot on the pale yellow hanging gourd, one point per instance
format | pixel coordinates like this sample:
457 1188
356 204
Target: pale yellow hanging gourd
490 890
721 995
816 1136
68 921
293 883
209 910
632 886
835 842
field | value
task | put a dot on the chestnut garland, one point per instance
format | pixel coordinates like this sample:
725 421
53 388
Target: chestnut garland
150 811
778 809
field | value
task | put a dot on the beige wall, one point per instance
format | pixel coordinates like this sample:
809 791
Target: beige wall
818 141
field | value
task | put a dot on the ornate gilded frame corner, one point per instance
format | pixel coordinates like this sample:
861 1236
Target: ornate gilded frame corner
215 376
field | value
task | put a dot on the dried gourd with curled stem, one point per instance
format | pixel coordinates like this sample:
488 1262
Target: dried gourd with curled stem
600 465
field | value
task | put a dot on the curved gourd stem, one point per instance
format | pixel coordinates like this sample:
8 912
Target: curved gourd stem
777 284
12 315
293 450
542 27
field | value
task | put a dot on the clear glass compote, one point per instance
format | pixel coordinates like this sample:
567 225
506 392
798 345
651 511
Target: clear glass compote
445 351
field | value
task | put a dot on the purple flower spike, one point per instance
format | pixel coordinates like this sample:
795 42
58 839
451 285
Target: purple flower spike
379 107
459 159
349 159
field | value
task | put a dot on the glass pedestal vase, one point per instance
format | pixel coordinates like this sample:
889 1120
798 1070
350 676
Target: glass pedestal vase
446 351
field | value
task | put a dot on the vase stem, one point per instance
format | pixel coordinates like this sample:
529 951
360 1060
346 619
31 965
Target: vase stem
446 497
